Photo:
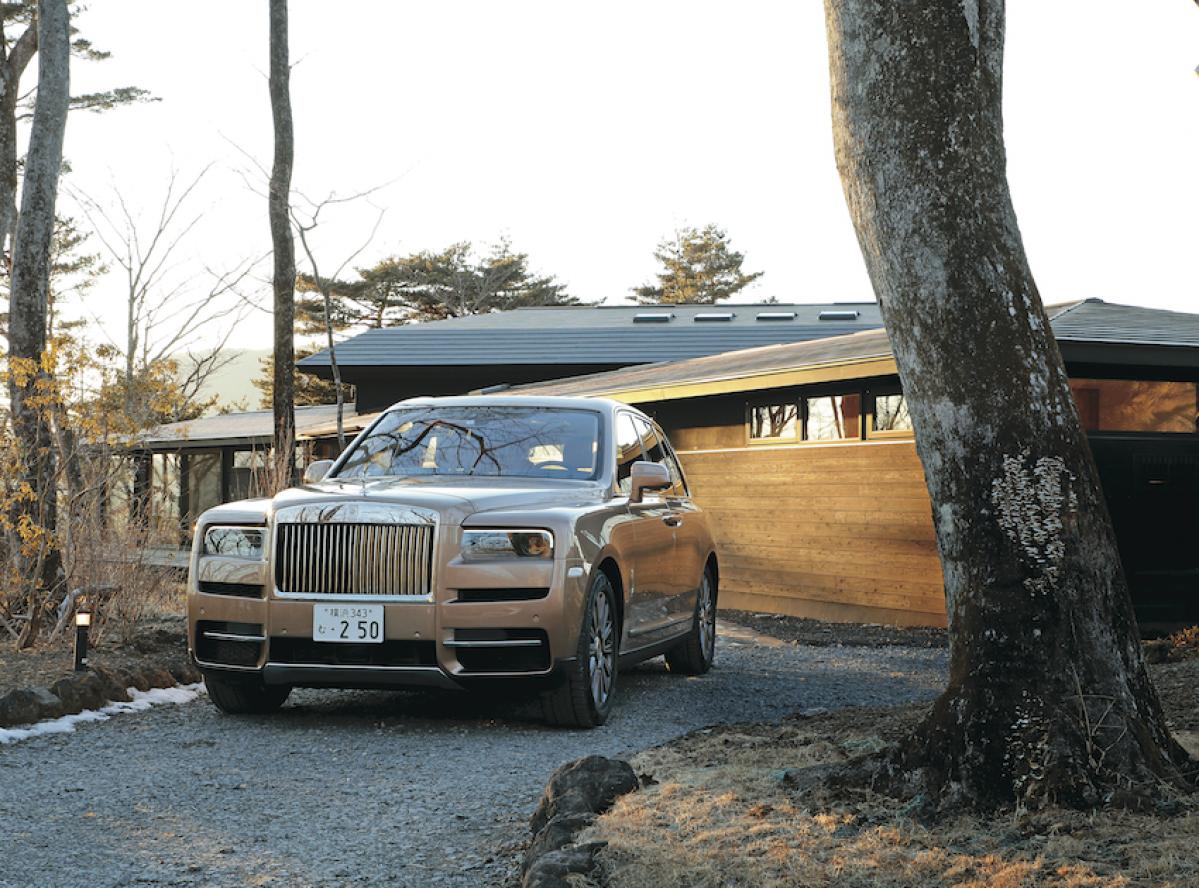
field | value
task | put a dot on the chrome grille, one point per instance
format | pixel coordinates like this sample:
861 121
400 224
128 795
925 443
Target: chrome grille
353 559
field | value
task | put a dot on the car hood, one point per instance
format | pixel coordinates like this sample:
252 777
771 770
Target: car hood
453 499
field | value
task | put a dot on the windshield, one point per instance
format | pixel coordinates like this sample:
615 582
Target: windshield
516 442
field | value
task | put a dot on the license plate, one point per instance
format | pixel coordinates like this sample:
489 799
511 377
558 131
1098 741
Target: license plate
349 623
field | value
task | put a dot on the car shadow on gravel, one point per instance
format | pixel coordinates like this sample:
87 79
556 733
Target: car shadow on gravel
489 705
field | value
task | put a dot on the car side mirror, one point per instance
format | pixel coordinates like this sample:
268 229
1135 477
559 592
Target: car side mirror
317 471
647 476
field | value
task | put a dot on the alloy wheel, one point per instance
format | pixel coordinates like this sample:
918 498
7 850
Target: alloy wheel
601 650
707 618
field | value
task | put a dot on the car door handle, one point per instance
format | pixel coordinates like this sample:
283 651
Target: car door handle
672 520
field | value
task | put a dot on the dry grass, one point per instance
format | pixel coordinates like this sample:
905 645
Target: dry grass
722 814
1185 643
134 593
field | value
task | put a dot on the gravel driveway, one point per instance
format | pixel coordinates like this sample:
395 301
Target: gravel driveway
371 788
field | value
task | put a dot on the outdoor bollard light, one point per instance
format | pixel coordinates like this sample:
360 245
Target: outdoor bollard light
83 619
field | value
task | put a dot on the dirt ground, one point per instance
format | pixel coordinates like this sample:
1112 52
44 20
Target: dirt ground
744 805
821 634
48 662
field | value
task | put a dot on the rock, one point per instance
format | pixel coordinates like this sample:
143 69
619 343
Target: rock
91 690
19 707
553 870
1157 650
66 691
138 679
785 775
184 671
585 786
49 705
159 677
114 683
556 834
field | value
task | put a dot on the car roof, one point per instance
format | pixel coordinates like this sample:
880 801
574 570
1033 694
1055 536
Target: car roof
595 405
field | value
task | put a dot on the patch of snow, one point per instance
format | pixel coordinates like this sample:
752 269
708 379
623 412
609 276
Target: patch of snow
139 702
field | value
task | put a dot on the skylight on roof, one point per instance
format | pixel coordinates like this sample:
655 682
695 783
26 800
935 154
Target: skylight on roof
714 316
653 317
776 316
839 315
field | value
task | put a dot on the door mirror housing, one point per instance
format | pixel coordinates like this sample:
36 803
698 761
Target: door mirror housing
647 476
316 471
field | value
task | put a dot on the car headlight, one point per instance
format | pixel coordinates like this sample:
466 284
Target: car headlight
490 545
238 542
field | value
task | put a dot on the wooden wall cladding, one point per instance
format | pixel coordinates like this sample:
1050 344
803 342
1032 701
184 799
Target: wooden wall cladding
840 532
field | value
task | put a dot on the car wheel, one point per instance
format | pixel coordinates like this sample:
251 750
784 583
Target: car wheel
695 653
584 698
244 697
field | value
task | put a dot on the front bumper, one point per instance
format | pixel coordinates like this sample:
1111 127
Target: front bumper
454 639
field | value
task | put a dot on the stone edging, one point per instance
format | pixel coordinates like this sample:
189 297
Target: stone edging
576 794
92 690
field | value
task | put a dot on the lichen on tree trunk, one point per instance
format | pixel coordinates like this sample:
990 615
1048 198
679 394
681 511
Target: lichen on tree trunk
1049 699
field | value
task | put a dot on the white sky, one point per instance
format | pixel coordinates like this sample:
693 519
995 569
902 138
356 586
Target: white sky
587 132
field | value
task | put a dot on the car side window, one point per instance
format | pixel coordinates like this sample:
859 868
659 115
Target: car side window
657 451
628 451
676 470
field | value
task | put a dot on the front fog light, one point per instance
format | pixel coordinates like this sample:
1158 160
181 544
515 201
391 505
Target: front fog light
489 545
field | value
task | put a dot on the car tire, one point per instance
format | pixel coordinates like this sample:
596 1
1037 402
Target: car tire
695 653
244 697
584 698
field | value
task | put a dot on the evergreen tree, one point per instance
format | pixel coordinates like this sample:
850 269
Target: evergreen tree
430 286
698 266
309 389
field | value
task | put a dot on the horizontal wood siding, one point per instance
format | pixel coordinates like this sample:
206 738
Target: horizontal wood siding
840 532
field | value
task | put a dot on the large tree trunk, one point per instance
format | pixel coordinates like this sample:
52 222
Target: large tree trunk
1049 699
29 384
12 66
283 394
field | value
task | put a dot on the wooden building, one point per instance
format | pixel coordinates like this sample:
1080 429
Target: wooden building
183 468
803 454
533 344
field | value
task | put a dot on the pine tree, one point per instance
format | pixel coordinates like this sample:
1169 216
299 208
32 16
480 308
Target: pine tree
698 266
429 286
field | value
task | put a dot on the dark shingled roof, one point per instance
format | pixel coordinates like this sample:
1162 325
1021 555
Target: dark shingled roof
1076 325
602 335
1097 321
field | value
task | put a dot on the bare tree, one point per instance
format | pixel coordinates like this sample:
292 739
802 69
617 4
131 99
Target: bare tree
166 306
284 278
1049 699
304 227
28 306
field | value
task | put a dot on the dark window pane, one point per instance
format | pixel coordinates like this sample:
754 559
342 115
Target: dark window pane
249 474
628 451
203 483
834 417
774 421
1124 405
891 414
654 442
165 519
